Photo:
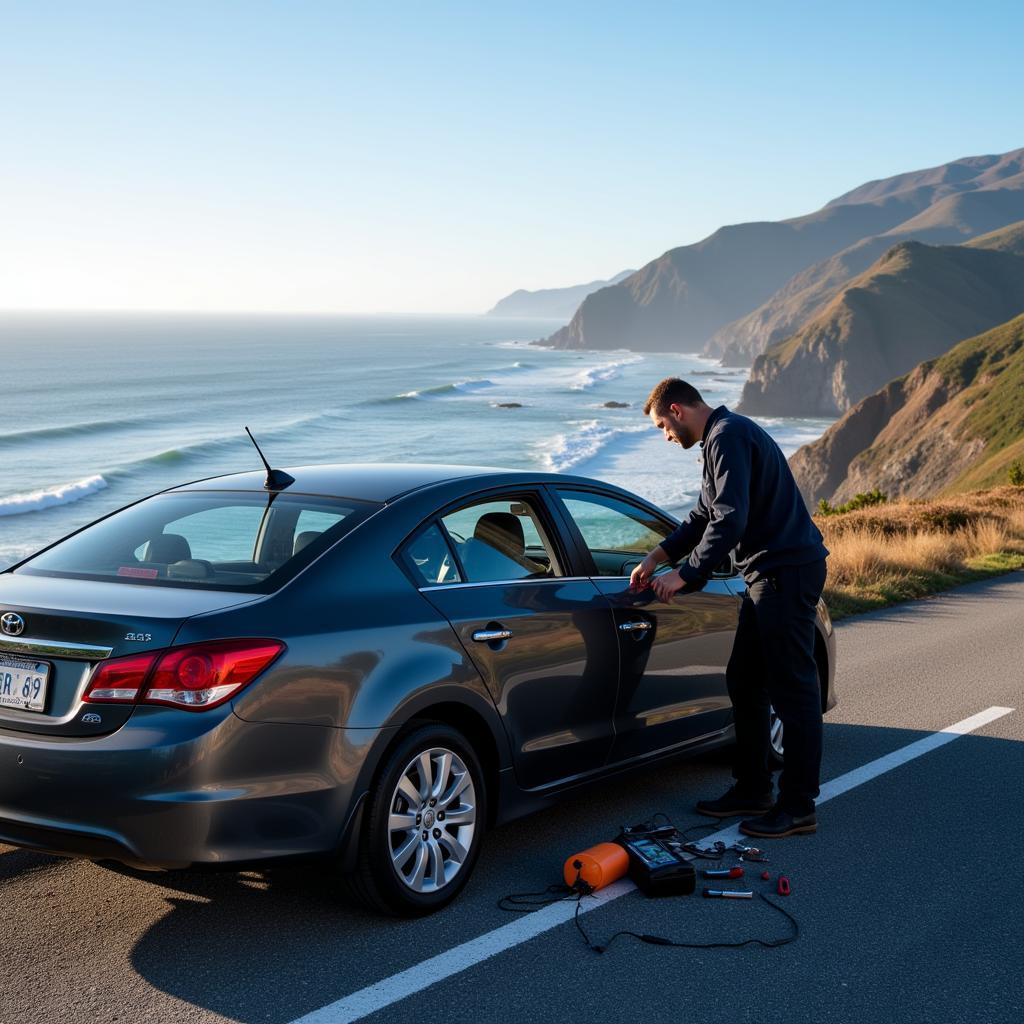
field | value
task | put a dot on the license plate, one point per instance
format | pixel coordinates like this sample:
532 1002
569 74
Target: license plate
23 683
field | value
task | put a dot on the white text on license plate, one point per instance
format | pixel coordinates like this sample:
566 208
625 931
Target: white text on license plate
23 683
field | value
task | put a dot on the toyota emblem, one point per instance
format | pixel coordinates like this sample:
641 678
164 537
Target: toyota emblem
12 623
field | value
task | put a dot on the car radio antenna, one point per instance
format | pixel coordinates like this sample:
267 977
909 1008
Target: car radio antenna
277 479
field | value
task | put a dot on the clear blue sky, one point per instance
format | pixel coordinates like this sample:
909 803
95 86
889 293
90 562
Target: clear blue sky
301 155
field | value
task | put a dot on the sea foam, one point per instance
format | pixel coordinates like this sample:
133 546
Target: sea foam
63 494
566 451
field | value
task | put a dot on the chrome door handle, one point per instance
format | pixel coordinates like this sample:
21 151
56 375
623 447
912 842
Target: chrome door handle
490 636
635 627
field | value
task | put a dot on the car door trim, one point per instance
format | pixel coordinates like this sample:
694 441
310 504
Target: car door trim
503 583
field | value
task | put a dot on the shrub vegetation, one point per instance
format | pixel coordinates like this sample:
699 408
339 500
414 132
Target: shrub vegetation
884 552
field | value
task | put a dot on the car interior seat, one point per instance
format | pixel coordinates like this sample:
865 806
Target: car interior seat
497 549
303 539
167 548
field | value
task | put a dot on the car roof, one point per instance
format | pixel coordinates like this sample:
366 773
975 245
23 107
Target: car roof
368 481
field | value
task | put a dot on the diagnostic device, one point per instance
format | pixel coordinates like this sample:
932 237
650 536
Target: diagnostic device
658 865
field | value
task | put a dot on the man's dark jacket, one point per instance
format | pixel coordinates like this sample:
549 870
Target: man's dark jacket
749 502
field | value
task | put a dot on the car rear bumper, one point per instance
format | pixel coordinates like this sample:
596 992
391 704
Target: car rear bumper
172 789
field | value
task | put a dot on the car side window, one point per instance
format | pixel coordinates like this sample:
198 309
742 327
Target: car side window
501 539
616 532
430 559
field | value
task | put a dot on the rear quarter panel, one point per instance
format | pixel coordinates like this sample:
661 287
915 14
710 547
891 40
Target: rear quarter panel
365 650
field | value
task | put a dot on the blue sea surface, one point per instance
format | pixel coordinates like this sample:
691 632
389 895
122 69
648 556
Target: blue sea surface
99 410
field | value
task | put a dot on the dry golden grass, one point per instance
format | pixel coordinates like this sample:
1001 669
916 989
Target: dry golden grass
908 549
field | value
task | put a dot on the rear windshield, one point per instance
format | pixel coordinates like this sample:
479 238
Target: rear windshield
223 540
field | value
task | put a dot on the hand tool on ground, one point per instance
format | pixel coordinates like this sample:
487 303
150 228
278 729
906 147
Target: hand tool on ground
749 853
722 872
729 894
783 888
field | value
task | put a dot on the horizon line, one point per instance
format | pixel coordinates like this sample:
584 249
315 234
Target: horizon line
129 311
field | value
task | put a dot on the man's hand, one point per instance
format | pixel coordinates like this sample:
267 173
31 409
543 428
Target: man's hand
640 578
667 585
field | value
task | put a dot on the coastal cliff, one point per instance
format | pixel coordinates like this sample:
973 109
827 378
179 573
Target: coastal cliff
949 220
951 424
748 285
912 305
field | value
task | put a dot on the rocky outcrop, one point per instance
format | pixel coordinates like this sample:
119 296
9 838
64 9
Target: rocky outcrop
950 423
912 305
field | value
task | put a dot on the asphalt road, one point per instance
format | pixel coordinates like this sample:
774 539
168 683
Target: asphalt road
910 899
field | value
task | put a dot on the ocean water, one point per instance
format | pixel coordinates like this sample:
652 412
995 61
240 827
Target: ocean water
99 410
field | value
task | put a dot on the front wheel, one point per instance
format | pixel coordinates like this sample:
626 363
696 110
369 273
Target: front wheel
425 824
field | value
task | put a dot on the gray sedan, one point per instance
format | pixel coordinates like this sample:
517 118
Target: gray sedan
369 664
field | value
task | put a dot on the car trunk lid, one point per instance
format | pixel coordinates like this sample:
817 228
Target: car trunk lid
67 628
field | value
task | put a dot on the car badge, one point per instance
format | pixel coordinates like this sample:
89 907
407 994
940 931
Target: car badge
12 623
91 718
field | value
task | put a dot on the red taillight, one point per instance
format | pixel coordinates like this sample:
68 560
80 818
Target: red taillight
119 680
204 675
195 677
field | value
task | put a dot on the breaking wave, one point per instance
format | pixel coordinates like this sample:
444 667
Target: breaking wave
461 387
586 379
63 494
567 451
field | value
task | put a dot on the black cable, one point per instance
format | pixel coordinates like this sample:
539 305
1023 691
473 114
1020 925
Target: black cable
520 902
659 940
560 892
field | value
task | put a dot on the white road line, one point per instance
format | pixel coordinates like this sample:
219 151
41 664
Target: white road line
452 961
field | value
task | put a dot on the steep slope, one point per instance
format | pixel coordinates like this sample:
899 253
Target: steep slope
1009 239
952 423
550 301
911 305
998 199
680 300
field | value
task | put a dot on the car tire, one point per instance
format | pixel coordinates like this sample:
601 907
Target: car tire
413 858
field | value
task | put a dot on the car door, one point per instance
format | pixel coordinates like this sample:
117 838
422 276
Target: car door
672 656
543 641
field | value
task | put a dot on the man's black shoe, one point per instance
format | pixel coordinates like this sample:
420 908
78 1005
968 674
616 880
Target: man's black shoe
734 803
778 823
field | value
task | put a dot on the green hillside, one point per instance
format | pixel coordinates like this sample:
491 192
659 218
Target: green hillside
910 306
952 424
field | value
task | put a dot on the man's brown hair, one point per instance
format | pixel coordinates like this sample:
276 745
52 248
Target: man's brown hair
671 391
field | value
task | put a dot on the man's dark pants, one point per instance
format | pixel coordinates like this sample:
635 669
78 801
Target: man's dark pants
773 663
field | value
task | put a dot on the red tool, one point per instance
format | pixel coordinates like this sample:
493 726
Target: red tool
723 873
766 876
783 887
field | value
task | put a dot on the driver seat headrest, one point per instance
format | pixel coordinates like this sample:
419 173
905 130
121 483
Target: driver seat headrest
502 531
167 548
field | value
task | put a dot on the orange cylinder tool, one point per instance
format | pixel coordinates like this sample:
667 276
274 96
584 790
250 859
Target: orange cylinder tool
599 866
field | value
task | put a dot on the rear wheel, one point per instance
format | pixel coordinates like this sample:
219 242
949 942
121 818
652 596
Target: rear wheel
424 826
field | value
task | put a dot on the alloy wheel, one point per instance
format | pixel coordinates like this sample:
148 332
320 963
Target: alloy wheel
775 732
432 819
